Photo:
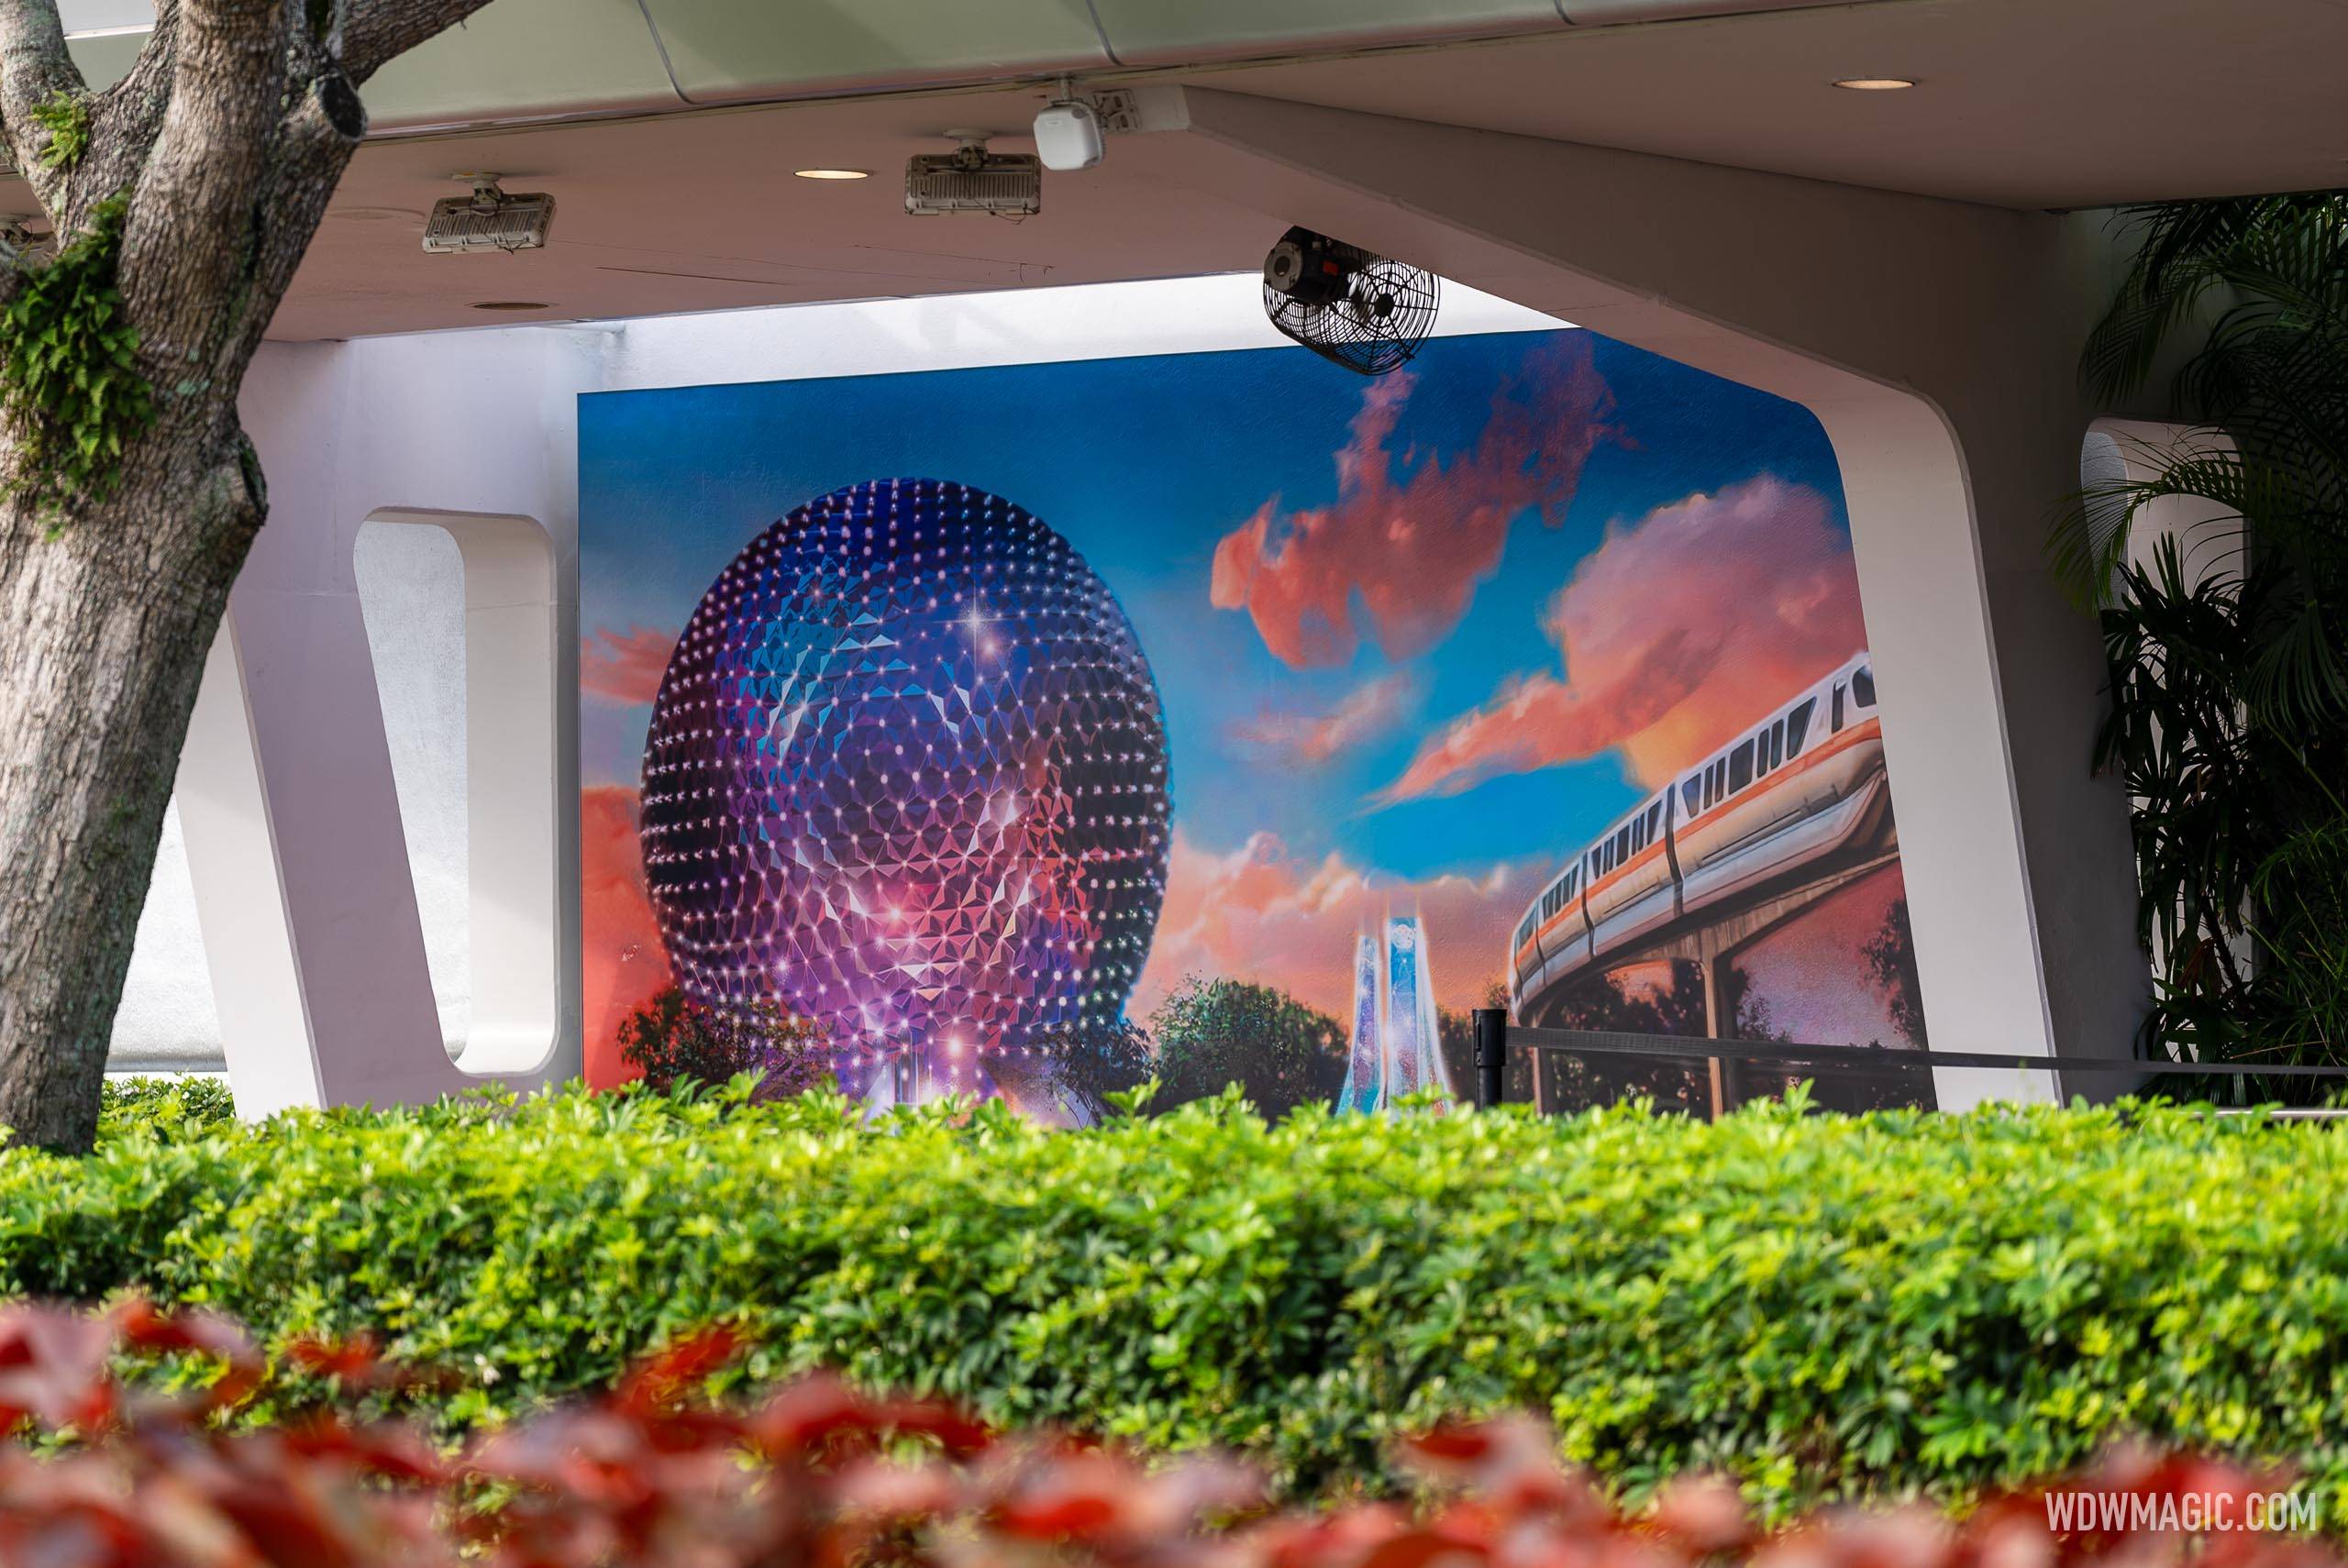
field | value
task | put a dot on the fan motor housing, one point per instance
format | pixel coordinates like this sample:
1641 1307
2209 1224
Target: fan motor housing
1312 268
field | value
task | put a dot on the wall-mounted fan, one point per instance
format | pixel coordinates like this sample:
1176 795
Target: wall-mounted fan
1367 313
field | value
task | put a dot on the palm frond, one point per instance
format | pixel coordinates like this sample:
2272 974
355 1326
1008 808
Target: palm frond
2266 247
2228 638
2300 680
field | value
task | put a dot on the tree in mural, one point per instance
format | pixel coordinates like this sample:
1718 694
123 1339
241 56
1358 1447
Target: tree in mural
1098 1060
1282 1054
1456 1034
1614 1003
1890 956
1611 1004
179 202
674 1039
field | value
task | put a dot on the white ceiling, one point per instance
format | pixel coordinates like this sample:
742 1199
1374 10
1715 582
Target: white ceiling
2027 104
700 212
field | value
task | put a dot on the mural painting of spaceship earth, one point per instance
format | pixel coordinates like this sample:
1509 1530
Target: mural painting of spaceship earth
1223 717
905 776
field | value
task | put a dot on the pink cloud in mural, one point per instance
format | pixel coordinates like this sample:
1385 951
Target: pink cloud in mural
622 964
1412 549
1312 738
1677 630
1266 915
624 665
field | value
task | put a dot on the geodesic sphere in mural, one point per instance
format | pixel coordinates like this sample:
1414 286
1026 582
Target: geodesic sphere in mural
906 775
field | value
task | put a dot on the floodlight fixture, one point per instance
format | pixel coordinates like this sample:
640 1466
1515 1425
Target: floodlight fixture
488 219
971 180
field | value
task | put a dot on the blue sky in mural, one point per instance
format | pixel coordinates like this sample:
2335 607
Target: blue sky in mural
1145 465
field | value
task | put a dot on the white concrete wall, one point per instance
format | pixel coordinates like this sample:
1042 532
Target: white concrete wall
412 596
168 1022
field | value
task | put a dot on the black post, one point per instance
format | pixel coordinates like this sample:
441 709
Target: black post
1491 1056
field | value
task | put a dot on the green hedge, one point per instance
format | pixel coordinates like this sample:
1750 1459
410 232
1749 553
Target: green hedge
1823 1307
172 1110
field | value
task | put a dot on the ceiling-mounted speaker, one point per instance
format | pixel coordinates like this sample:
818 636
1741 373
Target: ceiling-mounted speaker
1351 306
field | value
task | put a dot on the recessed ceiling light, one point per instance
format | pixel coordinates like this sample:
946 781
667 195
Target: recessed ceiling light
833 173
511 304
1875 84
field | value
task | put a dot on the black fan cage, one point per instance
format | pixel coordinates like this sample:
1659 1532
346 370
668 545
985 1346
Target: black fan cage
1377 327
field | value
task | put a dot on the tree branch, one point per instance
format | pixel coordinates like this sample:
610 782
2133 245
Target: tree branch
188 247
34 70
375 31
130 112
314 147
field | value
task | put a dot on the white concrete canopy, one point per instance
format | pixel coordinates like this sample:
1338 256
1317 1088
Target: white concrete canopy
671 204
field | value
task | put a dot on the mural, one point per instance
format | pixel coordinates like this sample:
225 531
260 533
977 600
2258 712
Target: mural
1223 718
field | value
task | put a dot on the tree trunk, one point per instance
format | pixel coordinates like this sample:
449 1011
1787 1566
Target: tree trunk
215 155
106 629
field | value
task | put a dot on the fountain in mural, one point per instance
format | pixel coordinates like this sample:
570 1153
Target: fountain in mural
1396 1048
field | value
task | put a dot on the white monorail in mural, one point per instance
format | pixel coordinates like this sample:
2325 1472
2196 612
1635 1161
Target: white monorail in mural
1804 785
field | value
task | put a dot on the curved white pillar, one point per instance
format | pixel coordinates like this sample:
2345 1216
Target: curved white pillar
294 837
